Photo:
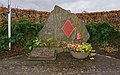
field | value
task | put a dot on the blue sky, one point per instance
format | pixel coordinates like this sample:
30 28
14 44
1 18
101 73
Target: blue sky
73 5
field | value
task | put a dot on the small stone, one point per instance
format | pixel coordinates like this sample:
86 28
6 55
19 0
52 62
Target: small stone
64 69
17 72
82 71
12 67
93 67
59 74
0 67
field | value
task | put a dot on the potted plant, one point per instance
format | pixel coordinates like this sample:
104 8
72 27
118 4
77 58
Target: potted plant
80 49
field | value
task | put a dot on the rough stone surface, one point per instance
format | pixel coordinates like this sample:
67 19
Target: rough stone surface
55 22
42 53
65 64
45 53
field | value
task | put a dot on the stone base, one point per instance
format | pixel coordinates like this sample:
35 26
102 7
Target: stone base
42 53
41 58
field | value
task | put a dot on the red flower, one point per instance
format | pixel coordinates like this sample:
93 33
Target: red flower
78 36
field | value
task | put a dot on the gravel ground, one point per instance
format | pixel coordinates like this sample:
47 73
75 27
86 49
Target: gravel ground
65 64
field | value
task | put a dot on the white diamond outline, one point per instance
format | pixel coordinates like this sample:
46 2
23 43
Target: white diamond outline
71 31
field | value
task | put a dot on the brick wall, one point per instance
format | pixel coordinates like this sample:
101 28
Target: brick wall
40 16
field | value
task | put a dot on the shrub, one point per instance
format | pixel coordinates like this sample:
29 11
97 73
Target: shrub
102 33
23 31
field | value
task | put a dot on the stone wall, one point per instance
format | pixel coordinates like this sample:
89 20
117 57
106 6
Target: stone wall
40 16
110 16
20 13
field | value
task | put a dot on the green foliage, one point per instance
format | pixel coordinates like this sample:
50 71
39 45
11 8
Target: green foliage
38 43
102 33
51 42
23 31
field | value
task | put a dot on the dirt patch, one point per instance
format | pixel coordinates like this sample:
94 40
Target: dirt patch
10 53
113 51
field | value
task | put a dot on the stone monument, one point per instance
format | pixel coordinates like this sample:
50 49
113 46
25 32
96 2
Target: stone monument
62 26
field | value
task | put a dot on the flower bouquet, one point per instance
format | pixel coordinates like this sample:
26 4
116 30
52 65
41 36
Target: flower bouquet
81 50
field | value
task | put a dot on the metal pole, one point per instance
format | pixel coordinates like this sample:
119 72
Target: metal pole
9 22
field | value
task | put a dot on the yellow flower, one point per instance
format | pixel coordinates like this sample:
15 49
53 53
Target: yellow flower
91 58
77 49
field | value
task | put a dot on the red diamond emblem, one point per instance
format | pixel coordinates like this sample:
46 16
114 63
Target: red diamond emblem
68 28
